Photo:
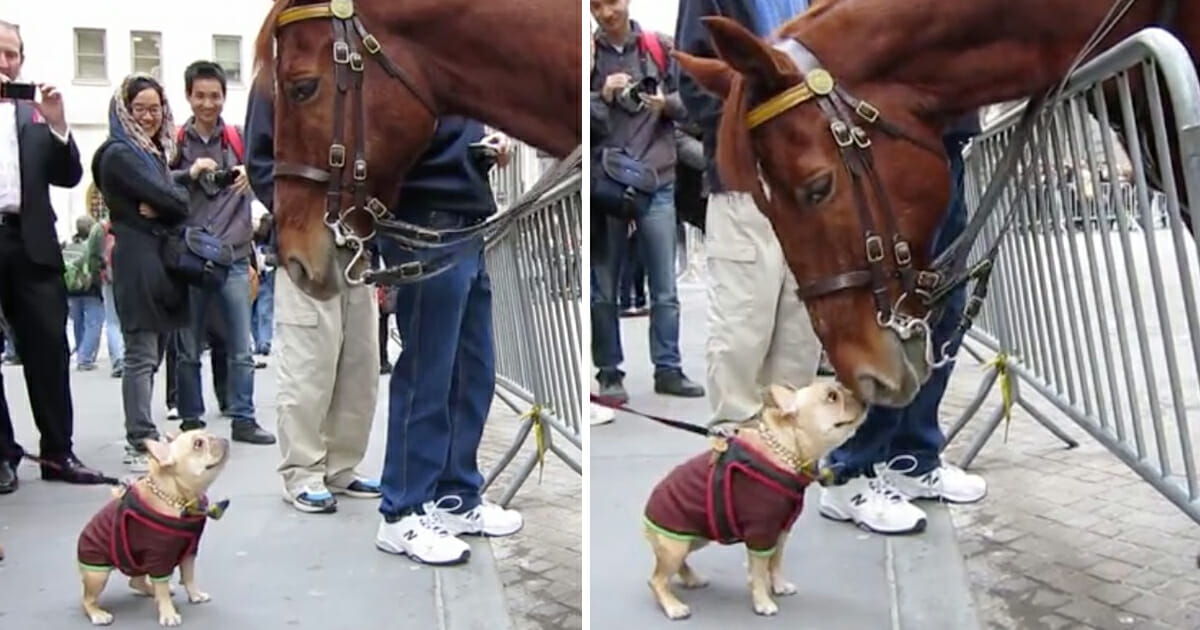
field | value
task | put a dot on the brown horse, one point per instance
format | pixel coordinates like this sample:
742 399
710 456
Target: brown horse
855 205
362 83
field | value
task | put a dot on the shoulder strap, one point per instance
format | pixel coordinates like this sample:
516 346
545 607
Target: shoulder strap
650 43
233 138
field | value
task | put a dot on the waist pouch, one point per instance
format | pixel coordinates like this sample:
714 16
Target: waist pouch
197 257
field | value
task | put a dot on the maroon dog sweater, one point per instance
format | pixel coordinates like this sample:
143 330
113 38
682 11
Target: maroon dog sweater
128 536
740 497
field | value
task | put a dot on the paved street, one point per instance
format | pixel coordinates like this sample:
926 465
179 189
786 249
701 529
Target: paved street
268 566
848 579
1069 538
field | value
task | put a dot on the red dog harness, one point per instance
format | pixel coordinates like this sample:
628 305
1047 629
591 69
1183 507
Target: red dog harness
740 497
132 538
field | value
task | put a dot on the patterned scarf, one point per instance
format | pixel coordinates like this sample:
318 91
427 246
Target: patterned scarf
123 128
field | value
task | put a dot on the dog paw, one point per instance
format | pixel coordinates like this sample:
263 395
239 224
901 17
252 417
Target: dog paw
170 619
677 611
101 618
783 588
766 608
694 582
199 597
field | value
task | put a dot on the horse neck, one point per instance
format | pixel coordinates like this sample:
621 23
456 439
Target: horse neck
504 63
958 56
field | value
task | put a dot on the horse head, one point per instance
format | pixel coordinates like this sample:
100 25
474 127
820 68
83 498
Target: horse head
329 71
855 212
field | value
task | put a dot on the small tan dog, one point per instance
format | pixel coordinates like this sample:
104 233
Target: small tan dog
749 488
154 526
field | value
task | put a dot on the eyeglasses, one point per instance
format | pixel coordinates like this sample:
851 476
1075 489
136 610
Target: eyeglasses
138 110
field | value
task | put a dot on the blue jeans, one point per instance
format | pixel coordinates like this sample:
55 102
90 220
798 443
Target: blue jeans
87 316
233 298
262 318
633 277
112 328
656 243
442 383
913 431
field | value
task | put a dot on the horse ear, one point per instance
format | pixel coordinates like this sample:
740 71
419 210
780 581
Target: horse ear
744 52
713 75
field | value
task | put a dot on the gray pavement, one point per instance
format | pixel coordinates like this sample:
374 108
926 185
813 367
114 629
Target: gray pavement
265 565
848 579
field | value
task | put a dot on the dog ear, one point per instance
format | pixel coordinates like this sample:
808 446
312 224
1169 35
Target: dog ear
781 398
160 452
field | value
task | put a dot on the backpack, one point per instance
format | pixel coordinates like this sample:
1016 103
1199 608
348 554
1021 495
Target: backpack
649 43
231 137
78 274
109 242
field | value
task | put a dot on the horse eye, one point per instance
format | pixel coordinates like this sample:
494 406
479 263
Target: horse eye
817 190
302 90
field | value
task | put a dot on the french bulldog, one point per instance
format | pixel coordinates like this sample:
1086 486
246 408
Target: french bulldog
748 488
153 526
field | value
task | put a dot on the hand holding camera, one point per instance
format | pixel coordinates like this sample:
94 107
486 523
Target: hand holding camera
50 106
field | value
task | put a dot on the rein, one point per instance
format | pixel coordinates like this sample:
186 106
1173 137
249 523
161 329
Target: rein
950 270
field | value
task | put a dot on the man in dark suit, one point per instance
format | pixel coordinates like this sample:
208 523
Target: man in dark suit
36 151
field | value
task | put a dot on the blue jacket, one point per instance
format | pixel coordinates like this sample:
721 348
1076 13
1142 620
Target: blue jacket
446 178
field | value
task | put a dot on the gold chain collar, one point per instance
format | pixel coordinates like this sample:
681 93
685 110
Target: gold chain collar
184 506
790 456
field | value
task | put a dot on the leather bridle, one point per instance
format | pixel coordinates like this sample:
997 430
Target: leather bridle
348 68
950 270
845 111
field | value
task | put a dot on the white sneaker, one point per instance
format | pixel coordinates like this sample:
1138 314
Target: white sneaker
137 462
172 413
872 504
946 482
486 519
422 537
601 415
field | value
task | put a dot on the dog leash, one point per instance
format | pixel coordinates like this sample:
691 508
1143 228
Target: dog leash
95 478
678 424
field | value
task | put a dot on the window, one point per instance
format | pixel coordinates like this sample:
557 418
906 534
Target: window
147 52
91 62
227 52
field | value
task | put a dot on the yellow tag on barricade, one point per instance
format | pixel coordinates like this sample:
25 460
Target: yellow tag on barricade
1000 364
539 436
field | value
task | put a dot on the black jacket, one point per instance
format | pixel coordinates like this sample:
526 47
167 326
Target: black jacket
147 298
260 146
45 161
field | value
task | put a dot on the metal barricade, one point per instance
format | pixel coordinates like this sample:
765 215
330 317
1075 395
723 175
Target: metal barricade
1092 304
537 310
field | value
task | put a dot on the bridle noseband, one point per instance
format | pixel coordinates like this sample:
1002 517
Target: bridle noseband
348 68
844 110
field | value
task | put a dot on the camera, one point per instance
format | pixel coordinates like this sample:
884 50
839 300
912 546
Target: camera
213 182
629 98
18 91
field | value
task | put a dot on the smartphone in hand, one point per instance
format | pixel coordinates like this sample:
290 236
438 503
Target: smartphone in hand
18 91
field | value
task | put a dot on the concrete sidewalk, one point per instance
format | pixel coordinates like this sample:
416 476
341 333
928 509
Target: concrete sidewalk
265 565
848 579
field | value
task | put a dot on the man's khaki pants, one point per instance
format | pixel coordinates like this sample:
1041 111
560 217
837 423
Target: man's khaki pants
759 332
328 378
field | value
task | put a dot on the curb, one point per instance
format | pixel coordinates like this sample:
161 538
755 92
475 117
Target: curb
928 578
471 597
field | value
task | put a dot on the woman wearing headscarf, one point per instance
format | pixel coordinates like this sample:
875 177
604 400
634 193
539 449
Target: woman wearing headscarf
143 200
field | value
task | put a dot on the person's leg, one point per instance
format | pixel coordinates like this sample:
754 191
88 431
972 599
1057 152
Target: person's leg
137 389
112 331
606 326
657 240
637 275
93 326
218 356
795 352
75 316
171 340
188 343
429 316
306 362
265 306
919 439
234 299
625 275
355 391
471 394
741 306
385 366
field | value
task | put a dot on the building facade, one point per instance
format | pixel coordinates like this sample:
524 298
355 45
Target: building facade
87 48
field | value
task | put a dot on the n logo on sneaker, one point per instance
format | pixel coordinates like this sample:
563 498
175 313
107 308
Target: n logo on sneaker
858 499
410 535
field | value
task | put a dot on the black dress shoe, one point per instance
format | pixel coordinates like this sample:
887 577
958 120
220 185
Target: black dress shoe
70 470
250 433
674 383
8 478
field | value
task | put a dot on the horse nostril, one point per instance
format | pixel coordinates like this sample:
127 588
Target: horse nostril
297 270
